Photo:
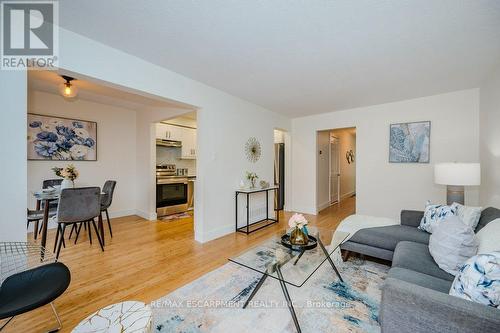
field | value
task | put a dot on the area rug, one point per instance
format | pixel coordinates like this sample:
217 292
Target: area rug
213 303
175 217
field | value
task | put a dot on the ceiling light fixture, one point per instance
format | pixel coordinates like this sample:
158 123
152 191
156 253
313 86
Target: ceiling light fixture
67 89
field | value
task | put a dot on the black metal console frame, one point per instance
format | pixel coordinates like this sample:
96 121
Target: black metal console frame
246 228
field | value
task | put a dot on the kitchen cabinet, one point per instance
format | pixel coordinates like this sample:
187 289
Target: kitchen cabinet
184 134
168 132
188 138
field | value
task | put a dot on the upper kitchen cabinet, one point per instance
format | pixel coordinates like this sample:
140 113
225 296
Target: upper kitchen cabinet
186 135
188 143
169 132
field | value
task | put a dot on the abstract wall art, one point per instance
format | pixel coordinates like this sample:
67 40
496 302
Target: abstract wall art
410 142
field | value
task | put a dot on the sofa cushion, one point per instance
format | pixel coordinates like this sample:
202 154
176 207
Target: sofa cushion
469 215
420 279
452 243
389 236
434 214
416 257
489 237
488 215
479 280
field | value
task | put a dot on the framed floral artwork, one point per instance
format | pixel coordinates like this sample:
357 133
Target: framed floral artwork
61 139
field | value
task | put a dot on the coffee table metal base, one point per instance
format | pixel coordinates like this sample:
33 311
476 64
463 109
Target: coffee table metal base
289 302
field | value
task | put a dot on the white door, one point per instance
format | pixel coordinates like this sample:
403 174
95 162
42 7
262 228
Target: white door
334 170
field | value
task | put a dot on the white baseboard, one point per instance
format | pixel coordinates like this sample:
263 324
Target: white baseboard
347 195
145 215
304 210
112 215
121 213
214 234
323 206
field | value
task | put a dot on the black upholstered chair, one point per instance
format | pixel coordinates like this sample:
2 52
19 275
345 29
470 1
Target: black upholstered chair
78 205
34 216
31 289
51 182
46 184
107 199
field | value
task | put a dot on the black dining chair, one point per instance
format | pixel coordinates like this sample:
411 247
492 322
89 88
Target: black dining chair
53 204
34 216
77 205
31 289
107 199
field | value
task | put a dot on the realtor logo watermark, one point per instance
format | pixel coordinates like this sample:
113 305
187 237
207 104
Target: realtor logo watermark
30 36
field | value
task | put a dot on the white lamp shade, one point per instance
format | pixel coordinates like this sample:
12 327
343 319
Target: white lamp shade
457 174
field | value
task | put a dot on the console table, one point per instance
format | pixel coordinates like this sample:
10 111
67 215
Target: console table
248 192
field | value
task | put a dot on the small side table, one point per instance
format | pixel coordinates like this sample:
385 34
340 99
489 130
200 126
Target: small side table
248 192
124 317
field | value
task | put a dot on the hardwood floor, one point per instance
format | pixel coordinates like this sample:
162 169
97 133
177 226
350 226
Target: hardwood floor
145 261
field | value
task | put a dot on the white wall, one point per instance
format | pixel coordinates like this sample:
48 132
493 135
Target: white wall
224 124
13 98
383 189
347 138
116 148
490 141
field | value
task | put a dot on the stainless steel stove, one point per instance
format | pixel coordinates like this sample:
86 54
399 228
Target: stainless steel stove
171 191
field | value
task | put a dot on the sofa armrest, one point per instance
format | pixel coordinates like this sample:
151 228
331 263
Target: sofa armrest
411 218
407 307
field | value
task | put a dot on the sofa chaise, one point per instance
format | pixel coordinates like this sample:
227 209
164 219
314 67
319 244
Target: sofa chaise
415 294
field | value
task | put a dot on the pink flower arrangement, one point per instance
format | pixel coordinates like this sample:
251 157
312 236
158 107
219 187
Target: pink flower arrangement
297 221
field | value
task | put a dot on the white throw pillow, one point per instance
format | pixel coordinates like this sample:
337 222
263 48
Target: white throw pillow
434 214
479 280
452 243
468 215
489 237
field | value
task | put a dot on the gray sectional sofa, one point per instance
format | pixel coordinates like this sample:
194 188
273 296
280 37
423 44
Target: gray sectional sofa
415 294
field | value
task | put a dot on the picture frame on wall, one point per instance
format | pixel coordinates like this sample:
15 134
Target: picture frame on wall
52 138
410 142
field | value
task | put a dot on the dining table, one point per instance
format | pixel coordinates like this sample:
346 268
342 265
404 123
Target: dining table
46 197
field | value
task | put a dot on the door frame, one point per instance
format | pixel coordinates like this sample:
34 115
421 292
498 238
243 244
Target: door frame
330 168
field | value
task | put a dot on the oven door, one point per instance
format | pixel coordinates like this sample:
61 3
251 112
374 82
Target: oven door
171 193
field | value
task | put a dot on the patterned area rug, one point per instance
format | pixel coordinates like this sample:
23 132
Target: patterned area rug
213 303
174 217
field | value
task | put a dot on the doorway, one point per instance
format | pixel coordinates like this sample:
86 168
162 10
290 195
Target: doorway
336 166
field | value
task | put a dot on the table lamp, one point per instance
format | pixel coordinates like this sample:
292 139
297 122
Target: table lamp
455 176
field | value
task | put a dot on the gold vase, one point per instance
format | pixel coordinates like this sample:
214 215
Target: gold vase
298 237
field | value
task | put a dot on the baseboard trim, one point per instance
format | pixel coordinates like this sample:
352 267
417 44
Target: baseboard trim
122 213
323 206
347 195
145 215
214 234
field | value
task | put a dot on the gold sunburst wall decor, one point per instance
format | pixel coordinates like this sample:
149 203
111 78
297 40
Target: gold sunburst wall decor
253 149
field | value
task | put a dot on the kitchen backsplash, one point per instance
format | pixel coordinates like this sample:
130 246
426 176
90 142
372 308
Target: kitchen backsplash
170 155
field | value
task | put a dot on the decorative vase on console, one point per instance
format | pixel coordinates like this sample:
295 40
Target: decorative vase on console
252 177
298 235
69 173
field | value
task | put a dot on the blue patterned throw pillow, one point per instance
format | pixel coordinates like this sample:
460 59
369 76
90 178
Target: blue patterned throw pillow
434 214
479 280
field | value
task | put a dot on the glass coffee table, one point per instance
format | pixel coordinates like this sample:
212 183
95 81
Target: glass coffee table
288 266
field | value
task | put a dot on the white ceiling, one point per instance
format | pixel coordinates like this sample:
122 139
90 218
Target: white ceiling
305 57
49 81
